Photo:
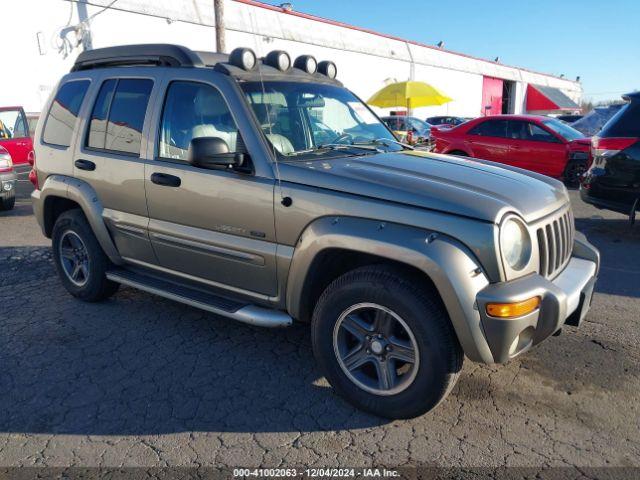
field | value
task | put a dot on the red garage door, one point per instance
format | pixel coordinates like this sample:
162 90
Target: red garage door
491 96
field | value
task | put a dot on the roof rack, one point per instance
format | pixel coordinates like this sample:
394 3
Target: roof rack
130 55
168 55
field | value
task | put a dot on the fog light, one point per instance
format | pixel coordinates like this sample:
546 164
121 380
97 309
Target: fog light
278 59
7 187
328 68
243 58
513 310
306 63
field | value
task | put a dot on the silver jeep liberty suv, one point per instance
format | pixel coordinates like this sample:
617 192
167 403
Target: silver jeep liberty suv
264 191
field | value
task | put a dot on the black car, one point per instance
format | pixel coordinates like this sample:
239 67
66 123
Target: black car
569 118
613 179
446 120
592 122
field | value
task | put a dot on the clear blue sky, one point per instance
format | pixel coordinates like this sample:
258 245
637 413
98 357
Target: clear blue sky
596 39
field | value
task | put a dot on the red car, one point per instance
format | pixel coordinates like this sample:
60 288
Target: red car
540 144
14 134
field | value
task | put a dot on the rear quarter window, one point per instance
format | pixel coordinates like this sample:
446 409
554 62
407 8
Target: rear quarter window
63 114
490 128
625 123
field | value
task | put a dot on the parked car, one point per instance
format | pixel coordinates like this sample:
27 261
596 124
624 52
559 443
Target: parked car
540 144
200 179
613 179
592 122
402 124
14 134
446 121
569 118
7 180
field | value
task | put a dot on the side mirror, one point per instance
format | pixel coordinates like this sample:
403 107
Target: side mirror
213 153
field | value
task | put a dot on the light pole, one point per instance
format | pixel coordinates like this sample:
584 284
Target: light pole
218 8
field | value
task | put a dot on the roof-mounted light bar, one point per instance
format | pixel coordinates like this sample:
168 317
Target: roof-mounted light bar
243 58
306 63
278 59
328 69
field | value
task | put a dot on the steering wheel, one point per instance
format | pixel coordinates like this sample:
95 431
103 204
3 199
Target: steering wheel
341 138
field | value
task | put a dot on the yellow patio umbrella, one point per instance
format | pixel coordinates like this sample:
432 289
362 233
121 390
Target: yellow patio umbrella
409 94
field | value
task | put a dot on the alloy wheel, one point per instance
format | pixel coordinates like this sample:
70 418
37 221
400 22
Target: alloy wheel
74 258
376 349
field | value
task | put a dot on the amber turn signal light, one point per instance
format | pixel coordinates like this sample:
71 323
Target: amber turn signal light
513 310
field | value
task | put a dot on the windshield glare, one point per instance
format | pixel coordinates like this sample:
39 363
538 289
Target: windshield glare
300 118
564 130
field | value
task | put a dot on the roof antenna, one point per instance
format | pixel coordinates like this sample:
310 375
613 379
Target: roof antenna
286 201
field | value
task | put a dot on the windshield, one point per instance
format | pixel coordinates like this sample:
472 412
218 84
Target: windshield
306 118
564 130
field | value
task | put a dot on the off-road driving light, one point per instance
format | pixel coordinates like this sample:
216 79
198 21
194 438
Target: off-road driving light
243 58
306 63
278 59
513 310
328 68
515 243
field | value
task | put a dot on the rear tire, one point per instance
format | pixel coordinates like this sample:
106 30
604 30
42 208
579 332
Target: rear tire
8 203
573 171
417 318
79 259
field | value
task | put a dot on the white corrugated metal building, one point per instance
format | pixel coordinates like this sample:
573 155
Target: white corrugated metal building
47 35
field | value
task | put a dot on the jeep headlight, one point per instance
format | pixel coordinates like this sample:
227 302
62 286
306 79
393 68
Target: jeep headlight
515 243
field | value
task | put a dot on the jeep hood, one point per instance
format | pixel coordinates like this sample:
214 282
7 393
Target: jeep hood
473 188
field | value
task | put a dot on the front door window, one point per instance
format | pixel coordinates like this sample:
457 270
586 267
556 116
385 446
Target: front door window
12 125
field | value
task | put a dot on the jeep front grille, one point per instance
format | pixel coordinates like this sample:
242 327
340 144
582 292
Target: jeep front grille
555 240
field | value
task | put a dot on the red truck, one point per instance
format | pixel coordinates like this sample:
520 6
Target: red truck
532 142
14 135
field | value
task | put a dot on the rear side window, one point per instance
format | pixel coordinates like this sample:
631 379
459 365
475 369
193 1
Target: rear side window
118 116
490 128
625 123
98 124
61 120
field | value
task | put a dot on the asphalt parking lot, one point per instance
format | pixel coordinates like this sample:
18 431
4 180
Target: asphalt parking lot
141 381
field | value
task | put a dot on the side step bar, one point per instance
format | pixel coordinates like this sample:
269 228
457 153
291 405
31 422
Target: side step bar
243 312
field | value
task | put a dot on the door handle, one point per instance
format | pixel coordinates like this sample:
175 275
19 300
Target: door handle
85 165
165 180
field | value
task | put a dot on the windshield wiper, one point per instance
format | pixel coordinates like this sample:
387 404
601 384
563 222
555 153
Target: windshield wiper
386 141
338 146
345 146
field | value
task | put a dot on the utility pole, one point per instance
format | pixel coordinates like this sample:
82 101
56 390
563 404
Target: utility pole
218 8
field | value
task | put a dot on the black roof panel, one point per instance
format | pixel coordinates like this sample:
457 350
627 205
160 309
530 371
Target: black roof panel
167 55
129 55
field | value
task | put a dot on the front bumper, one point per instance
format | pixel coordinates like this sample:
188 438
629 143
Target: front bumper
8 181
608 204
564 299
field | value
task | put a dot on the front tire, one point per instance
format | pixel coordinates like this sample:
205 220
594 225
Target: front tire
385 344
8 203
573 172
79 259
